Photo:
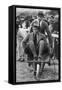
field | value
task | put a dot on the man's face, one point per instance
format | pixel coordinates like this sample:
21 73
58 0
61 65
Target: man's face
39 18
35 30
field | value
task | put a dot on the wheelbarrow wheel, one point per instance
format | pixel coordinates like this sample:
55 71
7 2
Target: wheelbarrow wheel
39 70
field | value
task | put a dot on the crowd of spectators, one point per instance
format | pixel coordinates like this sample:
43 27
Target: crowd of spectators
24 22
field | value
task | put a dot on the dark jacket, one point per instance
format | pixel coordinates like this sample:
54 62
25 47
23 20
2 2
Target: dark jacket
30 37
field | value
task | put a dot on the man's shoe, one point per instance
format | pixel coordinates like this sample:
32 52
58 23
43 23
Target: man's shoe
39 59
35 59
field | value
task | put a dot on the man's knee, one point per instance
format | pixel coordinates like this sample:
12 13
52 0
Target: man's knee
41 43
31 43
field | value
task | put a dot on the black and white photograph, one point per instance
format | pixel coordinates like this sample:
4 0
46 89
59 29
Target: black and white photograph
37 44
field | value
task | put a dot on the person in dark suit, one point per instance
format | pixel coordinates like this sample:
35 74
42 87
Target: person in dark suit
35 43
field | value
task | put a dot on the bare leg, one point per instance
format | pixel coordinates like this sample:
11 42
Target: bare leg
41 47
40 57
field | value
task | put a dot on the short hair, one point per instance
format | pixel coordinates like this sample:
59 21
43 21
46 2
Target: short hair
36 27
40 14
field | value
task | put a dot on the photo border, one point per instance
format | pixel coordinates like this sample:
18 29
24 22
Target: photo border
39 7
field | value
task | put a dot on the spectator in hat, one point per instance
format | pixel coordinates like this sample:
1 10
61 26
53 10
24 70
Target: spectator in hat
43 26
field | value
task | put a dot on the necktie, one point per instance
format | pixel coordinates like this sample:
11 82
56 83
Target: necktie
39 22
35 40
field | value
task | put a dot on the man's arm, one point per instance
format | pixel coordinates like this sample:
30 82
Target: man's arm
25 40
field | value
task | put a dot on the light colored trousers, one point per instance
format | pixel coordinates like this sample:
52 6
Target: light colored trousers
19 49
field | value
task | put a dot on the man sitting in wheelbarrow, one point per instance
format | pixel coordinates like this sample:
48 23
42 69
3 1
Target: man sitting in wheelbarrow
35 44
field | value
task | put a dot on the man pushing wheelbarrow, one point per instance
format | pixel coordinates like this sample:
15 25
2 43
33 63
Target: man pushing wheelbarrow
35 44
